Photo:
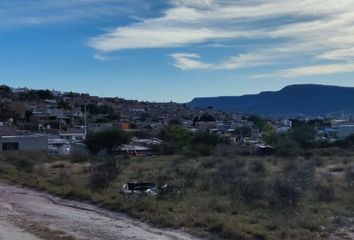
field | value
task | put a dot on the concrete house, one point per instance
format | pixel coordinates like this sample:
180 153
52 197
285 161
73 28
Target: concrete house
98 127
345 131
24 143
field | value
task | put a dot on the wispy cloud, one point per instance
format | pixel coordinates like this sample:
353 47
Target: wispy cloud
189 61
318 70
308 31
101 57
21 13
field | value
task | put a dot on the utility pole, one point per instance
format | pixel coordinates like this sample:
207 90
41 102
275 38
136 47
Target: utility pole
60 127
85 121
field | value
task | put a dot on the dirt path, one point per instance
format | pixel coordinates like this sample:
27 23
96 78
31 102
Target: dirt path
29 215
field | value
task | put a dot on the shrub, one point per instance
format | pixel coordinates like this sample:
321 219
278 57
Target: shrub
104 170
300 173
284 193
230 171
106 140
317 161
206 138
251 188
349 175
177 135
325 193
257 167
287 147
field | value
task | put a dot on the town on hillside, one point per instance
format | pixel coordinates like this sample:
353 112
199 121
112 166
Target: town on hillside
60 122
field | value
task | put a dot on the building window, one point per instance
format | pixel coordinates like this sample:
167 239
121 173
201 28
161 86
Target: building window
10 146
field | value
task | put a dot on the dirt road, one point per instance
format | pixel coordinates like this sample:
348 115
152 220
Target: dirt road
29 215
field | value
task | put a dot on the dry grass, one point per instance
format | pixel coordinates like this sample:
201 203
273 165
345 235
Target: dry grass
195 201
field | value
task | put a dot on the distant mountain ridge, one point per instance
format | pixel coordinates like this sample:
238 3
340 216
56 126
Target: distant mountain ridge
306 99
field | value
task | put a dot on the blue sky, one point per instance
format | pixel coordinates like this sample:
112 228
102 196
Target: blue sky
162 50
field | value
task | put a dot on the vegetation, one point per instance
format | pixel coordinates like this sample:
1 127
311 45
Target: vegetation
227 197
106 141
36 95
181 140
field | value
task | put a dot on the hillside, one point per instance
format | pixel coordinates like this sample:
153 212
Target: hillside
292 100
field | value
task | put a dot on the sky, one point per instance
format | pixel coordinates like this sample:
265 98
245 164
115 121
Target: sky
175 50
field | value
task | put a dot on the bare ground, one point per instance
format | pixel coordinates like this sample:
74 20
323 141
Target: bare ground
30 215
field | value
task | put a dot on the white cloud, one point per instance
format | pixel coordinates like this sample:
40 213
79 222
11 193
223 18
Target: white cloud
189 61
142 36
318 70
101 57
290 31
341 54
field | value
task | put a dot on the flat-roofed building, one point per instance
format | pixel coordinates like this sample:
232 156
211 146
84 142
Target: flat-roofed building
24 143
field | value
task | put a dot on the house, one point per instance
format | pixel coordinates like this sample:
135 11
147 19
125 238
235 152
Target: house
59 146
76 134
98 127
345 131
24 143
7 129
206 125
146 142
135 150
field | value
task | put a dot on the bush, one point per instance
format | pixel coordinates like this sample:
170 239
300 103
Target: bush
257 167
287 147
349 175
251 188
167 149
106 140
317 161
325 193
206 138
284 193
104 170
300 173
23 162
229 172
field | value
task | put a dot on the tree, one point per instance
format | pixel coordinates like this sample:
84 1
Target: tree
177 135
286 147
257 121
5 91
205 137
98 109
303 133
106 140
36 95
206 117
269 134
243 131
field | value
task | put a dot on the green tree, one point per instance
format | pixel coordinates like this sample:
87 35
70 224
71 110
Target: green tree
5 91
257 121
269 134
106 140
286 147
303 133
206 117
205 137
243 131
177 135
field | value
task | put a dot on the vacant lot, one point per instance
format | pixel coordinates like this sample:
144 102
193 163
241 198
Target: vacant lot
228 197
31 215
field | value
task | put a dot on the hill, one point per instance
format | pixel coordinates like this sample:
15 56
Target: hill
307 99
